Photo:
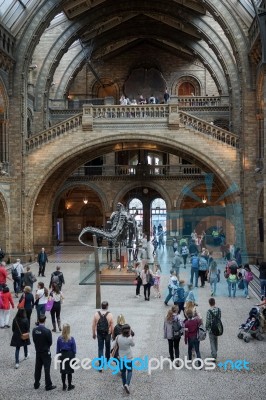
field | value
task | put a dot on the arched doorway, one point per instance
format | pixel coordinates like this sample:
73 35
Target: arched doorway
78 208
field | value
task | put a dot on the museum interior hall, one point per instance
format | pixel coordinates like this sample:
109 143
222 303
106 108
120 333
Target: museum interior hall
158 105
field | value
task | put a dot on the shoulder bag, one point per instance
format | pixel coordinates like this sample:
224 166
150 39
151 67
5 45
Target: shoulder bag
23 336
115 348
21 304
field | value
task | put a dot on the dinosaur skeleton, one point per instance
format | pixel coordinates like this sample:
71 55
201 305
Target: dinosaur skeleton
123 227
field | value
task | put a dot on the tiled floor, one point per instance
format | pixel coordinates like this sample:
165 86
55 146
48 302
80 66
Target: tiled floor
146 319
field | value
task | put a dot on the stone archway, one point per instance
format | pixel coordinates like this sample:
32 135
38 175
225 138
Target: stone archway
187 86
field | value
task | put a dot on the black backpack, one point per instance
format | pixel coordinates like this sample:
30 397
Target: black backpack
14 273
177 329
217 328
103 325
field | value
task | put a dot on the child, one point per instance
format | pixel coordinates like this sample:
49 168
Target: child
157 277
189 294
179 296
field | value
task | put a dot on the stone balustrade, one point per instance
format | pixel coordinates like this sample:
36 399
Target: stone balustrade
52 133
167 114
209 129
138 170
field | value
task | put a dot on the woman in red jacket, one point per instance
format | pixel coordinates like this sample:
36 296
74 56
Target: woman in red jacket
5 311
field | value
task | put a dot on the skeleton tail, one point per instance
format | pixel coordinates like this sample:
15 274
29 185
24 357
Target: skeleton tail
95 231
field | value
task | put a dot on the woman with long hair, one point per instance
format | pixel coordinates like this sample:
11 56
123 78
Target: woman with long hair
213 277
57 297
125 342
29 302
66 346
20 325
157 279
41 298
118 329
171 332
146 276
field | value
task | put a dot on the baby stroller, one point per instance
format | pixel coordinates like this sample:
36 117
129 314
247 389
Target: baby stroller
252 327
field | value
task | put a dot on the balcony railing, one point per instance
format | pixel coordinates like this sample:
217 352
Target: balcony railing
111 117
138 170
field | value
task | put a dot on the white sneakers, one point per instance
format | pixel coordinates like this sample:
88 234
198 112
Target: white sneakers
127 388
16 366
247 297
26 358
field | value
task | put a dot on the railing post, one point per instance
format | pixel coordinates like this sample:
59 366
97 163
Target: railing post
173 119
87 117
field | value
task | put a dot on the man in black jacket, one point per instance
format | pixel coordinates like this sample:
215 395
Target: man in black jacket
42 338
42 260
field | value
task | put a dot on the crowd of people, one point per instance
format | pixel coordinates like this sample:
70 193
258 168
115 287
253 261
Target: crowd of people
182 319
126 101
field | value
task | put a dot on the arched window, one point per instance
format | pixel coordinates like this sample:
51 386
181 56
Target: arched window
158 214
135 207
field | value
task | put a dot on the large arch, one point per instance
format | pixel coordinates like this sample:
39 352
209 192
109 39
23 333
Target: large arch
41 198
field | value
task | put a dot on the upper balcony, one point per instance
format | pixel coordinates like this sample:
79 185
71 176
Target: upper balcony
141 171
214 109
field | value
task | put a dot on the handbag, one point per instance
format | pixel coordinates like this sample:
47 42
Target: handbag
21 304
32 278
115 348
135 282
23 336
151 280
202 333
49 305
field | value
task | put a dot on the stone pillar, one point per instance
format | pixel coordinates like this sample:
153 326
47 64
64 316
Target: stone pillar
87 117
173 118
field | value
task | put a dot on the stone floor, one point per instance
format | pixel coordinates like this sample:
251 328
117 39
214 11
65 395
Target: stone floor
146 319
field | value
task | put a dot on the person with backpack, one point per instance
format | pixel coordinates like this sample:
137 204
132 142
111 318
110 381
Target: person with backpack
17 271
172 286
232 281
247 277
102 329
57 277
179 296
173 330
194 270
184 253
214 326
203 268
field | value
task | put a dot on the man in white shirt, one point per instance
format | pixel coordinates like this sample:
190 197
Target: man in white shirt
17 272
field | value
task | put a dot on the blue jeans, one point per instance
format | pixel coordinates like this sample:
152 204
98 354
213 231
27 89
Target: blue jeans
17 353
213 283
169 296
104 340
263 287
193 343
17 284
232 287
246 283
194 271
126 373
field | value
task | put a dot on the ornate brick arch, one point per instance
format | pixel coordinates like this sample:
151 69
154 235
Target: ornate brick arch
188 81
